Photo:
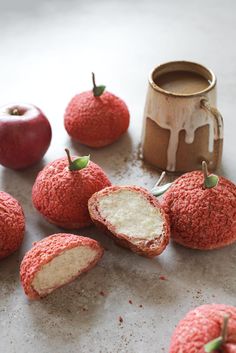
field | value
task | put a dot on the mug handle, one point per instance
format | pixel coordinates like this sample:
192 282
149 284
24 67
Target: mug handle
216 115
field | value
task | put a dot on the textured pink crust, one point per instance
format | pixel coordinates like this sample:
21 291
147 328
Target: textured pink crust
46 250
202 325
12 224
201 218
61 195
96 121
148 248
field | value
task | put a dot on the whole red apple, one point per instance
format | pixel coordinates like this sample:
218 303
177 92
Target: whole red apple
25 135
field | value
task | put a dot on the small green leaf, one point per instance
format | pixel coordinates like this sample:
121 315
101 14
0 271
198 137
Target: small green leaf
214 344
159 190
98 90
211 181
79 163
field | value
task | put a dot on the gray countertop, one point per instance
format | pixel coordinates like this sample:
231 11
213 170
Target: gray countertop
48 50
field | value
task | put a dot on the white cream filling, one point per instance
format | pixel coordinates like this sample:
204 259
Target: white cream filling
131 214
62 268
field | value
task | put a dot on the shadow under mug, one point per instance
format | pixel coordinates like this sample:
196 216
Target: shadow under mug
180 130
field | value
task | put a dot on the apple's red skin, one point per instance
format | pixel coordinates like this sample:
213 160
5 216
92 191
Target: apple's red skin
24 139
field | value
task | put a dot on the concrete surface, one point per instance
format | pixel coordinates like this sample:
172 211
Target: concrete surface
48 50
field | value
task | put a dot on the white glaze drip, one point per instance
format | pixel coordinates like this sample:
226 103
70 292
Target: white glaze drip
179 114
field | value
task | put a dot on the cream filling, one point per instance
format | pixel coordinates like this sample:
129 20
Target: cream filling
131 214
62 269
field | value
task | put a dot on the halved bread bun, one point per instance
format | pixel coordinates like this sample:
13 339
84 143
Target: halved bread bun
55 261
132 217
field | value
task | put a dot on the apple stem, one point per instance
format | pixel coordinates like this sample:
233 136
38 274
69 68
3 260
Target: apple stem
210 180
78 163
216 344
205 169
68 156
93 79
162 176
15 111
225 327
97 90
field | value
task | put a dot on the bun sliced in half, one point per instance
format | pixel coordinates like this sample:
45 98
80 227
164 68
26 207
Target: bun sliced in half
55 261
132 217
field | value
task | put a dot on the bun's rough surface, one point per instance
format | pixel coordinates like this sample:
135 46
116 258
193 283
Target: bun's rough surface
132 217
201 218
12 225
57 260
61 195
202 325
96 121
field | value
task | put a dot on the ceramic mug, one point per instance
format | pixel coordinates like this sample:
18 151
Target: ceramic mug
180 130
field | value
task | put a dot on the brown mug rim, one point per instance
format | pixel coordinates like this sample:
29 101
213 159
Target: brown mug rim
186 62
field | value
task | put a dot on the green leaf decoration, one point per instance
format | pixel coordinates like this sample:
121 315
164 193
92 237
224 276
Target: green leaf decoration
214 344
159 190
98 90
211 181
79 163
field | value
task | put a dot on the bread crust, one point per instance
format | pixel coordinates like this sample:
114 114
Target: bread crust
147 248
61 195
201 218
46 250
96 121
12 224
201 325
